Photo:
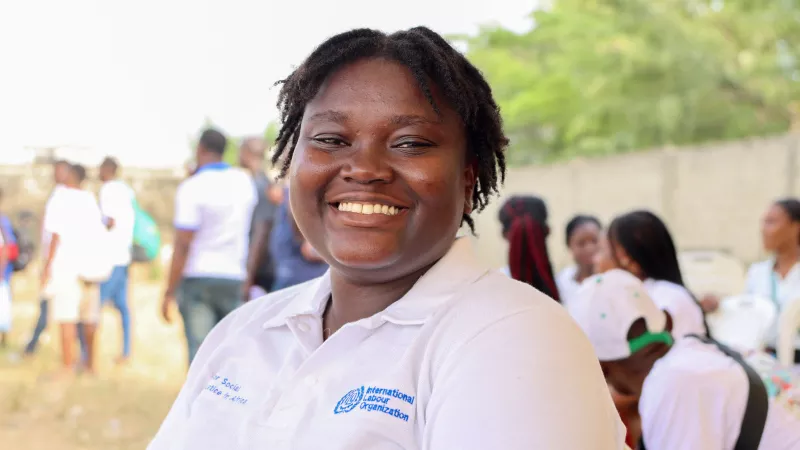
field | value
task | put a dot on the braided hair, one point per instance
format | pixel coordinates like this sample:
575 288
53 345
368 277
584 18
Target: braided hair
431 60
524 222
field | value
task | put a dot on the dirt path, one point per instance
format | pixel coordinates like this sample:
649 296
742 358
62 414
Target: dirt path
121 408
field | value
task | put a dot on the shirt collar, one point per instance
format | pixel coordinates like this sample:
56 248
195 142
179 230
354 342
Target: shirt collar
451 275
219 165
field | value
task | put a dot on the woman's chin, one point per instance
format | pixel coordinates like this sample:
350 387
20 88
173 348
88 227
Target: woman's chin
363 256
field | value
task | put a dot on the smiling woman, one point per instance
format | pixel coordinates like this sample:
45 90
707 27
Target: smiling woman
390 143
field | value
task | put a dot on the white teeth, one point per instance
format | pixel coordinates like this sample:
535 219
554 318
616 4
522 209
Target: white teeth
366 208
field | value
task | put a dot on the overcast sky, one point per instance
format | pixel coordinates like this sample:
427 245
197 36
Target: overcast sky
136 79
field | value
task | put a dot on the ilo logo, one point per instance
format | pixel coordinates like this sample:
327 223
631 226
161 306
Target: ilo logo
349 401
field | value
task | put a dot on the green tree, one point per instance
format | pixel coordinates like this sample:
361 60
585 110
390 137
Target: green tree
594 77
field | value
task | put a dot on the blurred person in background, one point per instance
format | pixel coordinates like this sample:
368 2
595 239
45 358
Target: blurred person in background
640 243
260 268
778 277
116 204
61 171
74 224
692 392
582 236
524 225
295 259
5 277
213 210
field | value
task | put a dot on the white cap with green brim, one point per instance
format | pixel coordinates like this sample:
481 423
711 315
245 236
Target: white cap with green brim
605 308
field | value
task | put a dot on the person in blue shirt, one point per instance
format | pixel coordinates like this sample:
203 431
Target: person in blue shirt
295 260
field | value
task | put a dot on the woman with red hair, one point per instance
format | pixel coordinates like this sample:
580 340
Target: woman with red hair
524 221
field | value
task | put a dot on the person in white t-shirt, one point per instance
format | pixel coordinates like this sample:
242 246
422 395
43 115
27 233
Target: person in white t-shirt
640 243
75 226
60 173
409 341
213 212
116 204
583 236
692 395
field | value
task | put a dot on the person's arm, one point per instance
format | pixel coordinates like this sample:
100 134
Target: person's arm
187 222
543 389
108 206
673 416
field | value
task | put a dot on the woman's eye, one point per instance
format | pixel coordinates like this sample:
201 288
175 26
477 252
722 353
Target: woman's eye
329 141
413 144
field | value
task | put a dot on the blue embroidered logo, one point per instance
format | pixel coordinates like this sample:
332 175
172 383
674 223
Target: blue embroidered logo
349 401
376 399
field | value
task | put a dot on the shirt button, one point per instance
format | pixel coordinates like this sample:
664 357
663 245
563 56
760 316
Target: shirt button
304 327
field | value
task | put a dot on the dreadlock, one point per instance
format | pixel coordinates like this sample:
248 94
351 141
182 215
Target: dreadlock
646 239
524 221
431 60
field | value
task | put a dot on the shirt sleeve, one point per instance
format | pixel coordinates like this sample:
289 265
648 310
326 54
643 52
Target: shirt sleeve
532 393
673 402
112 201
187 208
53 222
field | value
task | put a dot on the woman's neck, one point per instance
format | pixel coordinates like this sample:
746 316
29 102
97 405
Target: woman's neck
786 259
352 301
583 273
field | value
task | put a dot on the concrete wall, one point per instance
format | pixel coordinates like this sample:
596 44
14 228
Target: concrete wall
711 197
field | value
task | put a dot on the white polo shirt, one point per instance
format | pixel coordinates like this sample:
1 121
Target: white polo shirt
74 215
687 315
764 282
48 208
467 359
695 398
567 286
217 204
116 202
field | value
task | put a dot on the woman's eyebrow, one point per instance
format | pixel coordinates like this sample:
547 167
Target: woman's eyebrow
411 119
329 116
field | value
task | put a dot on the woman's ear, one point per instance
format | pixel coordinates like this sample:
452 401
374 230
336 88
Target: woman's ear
470 179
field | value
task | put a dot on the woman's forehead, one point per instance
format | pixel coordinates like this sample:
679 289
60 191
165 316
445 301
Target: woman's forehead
372 87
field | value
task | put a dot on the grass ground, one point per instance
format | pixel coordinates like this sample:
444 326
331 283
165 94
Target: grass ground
119 409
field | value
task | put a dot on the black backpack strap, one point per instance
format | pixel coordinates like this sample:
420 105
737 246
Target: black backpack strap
755 413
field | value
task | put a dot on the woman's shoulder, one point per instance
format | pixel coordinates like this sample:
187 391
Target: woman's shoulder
495 301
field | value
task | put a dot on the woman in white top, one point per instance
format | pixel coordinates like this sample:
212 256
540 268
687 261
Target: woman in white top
583 236
390 142
640 243
778 278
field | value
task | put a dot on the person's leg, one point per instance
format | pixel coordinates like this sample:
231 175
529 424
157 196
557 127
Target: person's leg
89 315
68 337
121 303
198 315
226 296
41 325
80 332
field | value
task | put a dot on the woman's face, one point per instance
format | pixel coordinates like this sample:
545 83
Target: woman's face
379 180
583 244
777 229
